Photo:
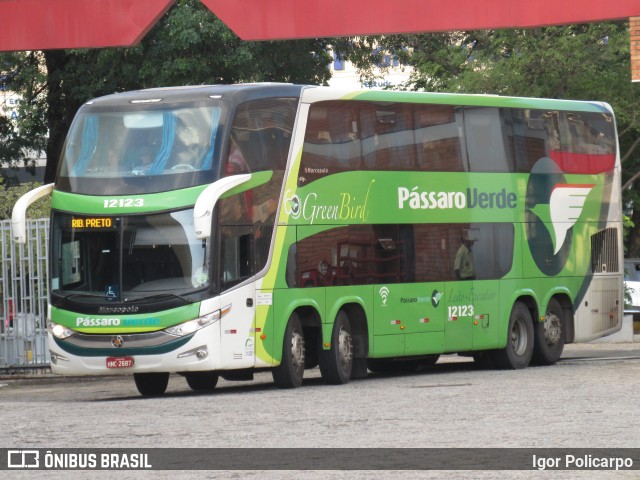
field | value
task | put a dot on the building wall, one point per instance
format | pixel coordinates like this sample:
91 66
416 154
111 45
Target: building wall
19 174
345 75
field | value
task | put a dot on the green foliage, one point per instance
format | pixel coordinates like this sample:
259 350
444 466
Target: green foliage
21 72
580 62
9 195
188 46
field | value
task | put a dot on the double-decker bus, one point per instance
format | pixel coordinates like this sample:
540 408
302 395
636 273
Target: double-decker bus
222 230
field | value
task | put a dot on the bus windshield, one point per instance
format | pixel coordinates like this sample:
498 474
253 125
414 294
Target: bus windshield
127 258
161 145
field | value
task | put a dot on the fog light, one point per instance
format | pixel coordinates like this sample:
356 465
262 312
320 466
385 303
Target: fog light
200 352
56 356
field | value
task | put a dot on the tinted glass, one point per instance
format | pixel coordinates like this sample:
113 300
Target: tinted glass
366 254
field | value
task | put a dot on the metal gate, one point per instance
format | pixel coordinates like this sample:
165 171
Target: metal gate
23 290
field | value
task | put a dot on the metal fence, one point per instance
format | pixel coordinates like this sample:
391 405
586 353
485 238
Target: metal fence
23 290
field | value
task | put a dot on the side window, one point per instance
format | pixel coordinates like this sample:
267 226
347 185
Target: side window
236 255
352 135
332 140
532 134
485 130
491 244
438 133
587 142
431 244
578 142
388 141
261 134
317 260
366 254
493 249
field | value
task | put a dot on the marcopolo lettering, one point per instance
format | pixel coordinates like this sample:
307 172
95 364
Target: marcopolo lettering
472 198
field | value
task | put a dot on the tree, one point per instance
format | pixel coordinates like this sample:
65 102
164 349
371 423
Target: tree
9 196
188 46
19 139
581 62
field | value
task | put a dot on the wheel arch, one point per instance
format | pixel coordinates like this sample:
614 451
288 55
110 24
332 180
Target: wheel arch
528 298
355 308
359 329
563 297
310 318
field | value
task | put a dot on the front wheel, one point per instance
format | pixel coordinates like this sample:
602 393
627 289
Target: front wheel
149 384
519 350
336 363
549 335
291 369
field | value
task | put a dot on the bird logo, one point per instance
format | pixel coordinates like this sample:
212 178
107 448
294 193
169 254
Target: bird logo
553 207
565 206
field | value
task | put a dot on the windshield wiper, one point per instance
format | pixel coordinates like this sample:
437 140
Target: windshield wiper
69 296
157 297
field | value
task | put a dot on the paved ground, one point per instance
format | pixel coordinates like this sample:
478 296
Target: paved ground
591 398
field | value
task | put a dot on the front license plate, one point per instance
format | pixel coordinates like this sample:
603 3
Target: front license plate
119 362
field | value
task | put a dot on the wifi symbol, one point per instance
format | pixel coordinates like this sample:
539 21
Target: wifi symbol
384 294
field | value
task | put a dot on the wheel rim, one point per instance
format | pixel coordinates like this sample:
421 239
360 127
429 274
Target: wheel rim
345 348
552 329
519 337
297 349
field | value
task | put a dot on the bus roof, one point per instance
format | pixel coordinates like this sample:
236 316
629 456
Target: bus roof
480 100
248 91
239 92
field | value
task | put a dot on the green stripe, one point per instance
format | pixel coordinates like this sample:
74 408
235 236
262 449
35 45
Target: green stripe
139 323
478 100
154 202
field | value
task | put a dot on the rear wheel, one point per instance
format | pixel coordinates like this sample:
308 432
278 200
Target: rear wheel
151 383
549 335
202 381
336 364
517 354
290 372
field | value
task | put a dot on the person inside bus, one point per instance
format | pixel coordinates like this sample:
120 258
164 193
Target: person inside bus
187 150
236 163
464 266
144 162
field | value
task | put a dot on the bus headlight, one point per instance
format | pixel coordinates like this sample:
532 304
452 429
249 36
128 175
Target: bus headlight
196 324
60 331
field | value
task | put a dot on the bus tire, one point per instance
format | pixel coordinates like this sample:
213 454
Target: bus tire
519 349
149 384
290 372
549 335
336 364
201 381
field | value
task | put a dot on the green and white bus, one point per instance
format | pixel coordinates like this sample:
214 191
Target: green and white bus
222 230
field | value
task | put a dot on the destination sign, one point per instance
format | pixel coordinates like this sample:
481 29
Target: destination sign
92 222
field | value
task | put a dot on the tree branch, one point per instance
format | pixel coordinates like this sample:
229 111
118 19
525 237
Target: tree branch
633 146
